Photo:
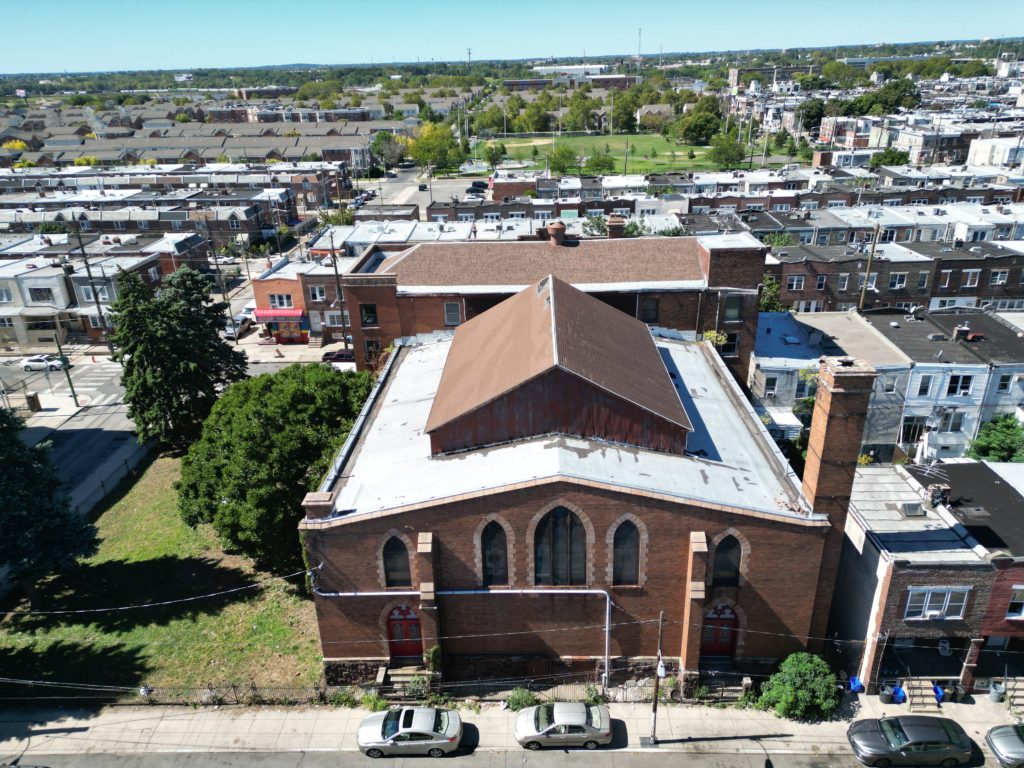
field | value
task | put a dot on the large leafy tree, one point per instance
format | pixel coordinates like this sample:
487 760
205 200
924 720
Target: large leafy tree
387 148
1001 439
175 361
41 533
889 156
726 152
434 145
267 442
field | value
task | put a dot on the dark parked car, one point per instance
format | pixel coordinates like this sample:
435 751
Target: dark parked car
423 187
910 740
1007 744
339 356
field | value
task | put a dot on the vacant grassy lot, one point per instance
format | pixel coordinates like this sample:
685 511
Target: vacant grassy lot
649 153
147 554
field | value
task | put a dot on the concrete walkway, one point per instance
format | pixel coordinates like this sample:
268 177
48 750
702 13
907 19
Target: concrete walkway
681 728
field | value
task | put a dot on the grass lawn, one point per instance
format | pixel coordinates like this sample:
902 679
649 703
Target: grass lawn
657 149
147 554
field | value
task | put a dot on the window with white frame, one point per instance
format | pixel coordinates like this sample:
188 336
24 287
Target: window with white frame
897 280
87 293
154 274
234 224
970 278
452 313
999 277
317 293
952 421
795 283
177 225
6 297
960 385
924 386
1015 610
542 215
517 215
936 602
822 279
872 279
922 280
6 322
333 319
85 225
492 217
119 225
94 322
1005 381
844 281
840 237
440 218
280 300
466 217
888 384
947 278
142 224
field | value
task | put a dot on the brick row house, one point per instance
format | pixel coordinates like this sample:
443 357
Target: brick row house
932 584
689 285
559 533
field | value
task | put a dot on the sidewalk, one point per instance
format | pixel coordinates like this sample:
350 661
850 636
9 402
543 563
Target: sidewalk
681 729
282 354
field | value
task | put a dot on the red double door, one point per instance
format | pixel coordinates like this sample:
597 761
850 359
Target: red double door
404 637
719 632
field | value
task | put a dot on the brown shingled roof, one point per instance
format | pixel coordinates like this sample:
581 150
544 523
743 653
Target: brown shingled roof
664 259
552 325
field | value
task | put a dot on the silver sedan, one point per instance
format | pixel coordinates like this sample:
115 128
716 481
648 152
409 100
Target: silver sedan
1007 744
572 724
410 731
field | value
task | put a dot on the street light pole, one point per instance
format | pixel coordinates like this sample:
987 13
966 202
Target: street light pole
658 672
92 287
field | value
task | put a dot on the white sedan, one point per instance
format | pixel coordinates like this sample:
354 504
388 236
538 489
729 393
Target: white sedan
42 363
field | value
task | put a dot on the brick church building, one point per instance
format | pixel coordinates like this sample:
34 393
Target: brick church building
529 494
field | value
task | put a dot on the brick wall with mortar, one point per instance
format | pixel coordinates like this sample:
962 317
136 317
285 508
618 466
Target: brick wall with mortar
979 578
773 599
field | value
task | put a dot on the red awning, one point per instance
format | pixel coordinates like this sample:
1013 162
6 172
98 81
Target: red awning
263 315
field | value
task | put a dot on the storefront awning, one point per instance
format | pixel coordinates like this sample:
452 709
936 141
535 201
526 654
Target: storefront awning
265 315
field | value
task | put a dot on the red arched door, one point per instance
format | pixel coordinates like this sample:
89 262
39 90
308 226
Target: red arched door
404 632
719 633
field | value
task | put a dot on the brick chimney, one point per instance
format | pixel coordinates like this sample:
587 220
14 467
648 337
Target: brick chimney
616 227
837 428
556 233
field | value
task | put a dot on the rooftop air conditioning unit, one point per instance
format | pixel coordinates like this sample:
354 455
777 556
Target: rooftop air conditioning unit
769 393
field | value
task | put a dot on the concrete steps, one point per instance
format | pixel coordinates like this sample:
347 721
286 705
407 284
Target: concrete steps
399 680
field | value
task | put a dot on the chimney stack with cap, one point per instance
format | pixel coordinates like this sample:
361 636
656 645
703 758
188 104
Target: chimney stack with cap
616 227
556 233
833 450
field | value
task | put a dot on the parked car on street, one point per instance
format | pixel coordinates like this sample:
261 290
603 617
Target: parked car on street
410 731
478 184
422 187
44 363
564 724
910 740
1007 744
223 260
242 323
339 356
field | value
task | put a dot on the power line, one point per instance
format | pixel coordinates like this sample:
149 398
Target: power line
161 603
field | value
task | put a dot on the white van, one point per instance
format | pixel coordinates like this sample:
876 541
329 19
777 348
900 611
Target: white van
249 310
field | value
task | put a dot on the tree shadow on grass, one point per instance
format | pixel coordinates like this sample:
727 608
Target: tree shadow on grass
68 683
182 583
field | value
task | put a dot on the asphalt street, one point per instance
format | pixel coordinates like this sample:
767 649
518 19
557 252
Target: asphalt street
481 759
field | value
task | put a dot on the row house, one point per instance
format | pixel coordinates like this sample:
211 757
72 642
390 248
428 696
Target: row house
686 284
539 210
929 591
940 376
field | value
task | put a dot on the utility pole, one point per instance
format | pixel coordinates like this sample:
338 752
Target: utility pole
867 274
340 296
92 287
658 674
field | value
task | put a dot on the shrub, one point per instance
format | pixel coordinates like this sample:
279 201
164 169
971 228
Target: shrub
592 695
417 687
438 699
521 698
373 702
344 697
804 688
432 658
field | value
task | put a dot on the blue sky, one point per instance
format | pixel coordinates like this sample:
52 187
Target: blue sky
74 35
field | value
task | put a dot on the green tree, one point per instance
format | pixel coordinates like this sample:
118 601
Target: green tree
182 117
493 155
563 158
340 217
534 119
51 228
889 156
696 128
778 239
726 152
174 360
599 163
87 160
809 113
804 688
15 144
387 148
1001 439
434 145
268 441
770 292
41 533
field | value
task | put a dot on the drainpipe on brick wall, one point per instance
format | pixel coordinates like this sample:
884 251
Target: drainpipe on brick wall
454 592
